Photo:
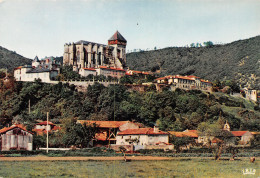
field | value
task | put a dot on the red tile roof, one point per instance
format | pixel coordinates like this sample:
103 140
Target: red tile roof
192 76
193 131
5 129
162 78
255 133
142 131
238 133
184 77
111 68
104 124
117 36
18 68
205 81
45 123
89 69
184 134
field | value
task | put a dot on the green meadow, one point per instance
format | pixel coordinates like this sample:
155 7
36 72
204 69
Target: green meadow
173 168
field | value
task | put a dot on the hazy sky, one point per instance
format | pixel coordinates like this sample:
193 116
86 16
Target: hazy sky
42 27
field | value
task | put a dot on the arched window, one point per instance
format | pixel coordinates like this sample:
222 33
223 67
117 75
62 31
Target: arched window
78 56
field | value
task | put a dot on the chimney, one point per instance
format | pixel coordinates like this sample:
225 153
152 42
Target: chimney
155 129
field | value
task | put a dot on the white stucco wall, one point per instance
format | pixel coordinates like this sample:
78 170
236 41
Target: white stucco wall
43 127
143 139
14 141
85 73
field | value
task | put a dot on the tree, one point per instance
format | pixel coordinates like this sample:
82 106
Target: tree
39 141
179 142
126 80
67 73
76 134
208 43
223 139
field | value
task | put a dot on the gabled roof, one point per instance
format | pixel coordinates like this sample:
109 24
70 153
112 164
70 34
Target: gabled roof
5 129
117 36
142 131
238 133
36 59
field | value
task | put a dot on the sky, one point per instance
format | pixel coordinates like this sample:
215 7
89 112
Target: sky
42 27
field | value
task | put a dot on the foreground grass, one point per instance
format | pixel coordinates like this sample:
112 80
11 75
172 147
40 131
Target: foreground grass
173 168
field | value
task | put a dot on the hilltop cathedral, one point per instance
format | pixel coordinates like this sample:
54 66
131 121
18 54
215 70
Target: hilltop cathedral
97 59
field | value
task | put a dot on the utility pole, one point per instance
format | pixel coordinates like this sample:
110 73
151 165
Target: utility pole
29 106
47 144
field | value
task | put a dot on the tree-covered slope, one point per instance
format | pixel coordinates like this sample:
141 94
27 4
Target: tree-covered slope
11 60
238 60
178 110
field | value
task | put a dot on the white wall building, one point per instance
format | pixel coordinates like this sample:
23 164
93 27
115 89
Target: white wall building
142 136
46 70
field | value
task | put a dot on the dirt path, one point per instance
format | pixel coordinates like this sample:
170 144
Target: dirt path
46 158
134 158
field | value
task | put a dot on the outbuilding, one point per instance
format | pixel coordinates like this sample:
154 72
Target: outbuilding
15 137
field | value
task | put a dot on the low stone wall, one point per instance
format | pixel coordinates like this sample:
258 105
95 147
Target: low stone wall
83 85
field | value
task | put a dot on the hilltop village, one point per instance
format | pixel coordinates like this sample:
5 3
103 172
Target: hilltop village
122 107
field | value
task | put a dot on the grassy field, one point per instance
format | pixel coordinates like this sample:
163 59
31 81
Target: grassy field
173 168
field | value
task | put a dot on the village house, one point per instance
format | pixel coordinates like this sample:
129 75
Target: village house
142 136
42 128
244 136
250 94
107 130
46 69
184 82
15 137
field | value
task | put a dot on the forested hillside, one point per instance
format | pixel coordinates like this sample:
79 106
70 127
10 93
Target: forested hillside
239 60
10 59
177 110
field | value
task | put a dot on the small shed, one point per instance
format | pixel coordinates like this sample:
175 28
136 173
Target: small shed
15 137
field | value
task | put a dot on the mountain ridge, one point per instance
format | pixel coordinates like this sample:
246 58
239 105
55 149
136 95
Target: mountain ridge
239 60
10 59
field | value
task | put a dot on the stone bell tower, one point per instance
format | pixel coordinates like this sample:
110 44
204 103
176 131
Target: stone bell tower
119 43
226 127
